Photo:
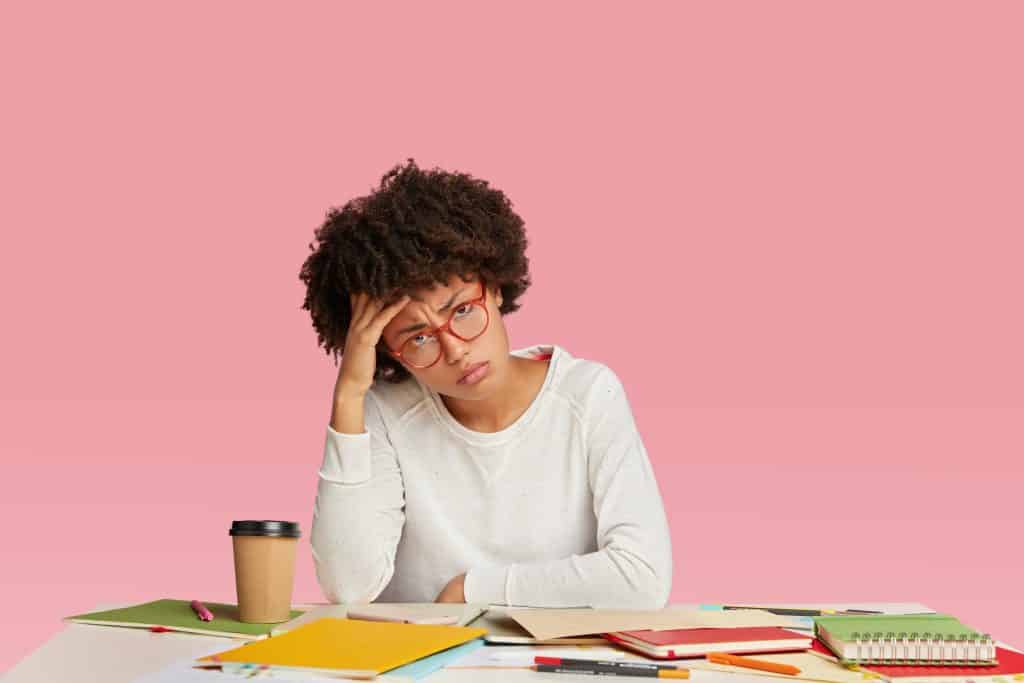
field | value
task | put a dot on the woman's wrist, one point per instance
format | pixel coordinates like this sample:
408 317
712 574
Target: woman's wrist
348 392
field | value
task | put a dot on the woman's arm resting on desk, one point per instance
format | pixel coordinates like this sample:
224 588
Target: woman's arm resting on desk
454 590
633 566
359 512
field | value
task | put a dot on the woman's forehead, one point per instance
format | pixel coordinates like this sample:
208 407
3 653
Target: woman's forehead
439 291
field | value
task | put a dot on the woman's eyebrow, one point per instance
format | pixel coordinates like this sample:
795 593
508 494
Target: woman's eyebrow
411 328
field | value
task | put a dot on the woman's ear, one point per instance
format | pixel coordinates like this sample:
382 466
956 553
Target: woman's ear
498 299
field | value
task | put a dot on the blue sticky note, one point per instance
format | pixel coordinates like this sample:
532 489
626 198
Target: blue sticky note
712 608
422 668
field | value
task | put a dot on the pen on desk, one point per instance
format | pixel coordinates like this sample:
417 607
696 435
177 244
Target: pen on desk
797 612
596 670
747 662
201 611
569 662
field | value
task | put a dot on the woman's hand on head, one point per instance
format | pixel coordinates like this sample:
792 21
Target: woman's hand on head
359 355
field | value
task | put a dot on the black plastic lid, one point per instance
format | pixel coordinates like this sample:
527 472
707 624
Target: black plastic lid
264 527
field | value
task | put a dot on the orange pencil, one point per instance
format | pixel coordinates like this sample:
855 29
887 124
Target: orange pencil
735 660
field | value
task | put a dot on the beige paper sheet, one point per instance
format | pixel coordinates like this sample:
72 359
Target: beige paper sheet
812 668
559 623
465 613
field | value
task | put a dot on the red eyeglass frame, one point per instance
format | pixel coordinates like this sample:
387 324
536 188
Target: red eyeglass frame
478 301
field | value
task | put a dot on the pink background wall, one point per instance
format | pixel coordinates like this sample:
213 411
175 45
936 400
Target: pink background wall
810 213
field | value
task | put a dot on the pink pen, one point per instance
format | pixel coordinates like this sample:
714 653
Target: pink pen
201 611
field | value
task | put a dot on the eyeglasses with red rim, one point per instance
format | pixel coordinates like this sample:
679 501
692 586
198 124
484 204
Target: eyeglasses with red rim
464 328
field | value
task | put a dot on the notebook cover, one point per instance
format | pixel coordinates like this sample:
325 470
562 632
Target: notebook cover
939 624
710 636
350 644
711 646
844 629
1010 664
672 655
177 615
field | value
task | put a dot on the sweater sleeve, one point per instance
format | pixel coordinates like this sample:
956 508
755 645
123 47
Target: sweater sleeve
359 512
632 567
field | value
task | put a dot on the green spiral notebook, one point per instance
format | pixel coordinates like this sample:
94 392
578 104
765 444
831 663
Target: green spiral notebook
177 615
907 639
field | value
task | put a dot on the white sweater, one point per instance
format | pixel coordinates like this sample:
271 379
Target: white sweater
559 509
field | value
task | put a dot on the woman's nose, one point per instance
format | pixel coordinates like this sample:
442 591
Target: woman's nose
454 348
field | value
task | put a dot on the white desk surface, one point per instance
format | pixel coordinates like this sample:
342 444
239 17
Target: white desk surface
84 653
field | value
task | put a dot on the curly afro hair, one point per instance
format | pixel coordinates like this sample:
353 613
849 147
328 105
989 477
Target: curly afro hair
415 231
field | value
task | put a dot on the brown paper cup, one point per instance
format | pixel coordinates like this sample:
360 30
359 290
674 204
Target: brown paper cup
264 569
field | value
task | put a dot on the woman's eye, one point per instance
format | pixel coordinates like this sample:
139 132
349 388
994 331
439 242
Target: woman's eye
419 339
464 309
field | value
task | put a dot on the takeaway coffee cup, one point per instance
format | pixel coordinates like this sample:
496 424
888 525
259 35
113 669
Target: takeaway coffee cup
264 568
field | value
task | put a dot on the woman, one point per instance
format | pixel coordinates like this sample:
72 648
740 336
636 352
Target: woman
455 469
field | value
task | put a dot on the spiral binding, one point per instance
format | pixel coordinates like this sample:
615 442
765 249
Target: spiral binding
923 648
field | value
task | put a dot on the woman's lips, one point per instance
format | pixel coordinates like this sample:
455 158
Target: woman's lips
475 373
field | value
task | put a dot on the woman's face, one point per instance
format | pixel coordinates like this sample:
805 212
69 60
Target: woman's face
431 308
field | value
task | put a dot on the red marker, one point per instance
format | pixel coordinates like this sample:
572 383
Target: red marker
159 629
201 611
620 670
570 662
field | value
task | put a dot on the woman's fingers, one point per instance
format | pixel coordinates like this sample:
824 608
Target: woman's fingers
356 301
371 314
363 310
388 313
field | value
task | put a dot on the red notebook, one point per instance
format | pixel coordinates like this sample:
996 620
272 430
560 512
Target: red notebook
697 642
1010 664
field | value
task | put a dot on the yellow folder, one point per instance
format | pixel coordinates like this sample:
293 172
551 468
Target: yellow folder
349 645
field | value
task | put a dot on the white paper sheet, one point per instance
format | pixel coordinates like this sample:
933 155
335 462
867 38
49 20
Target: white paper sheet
521 656
184 671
